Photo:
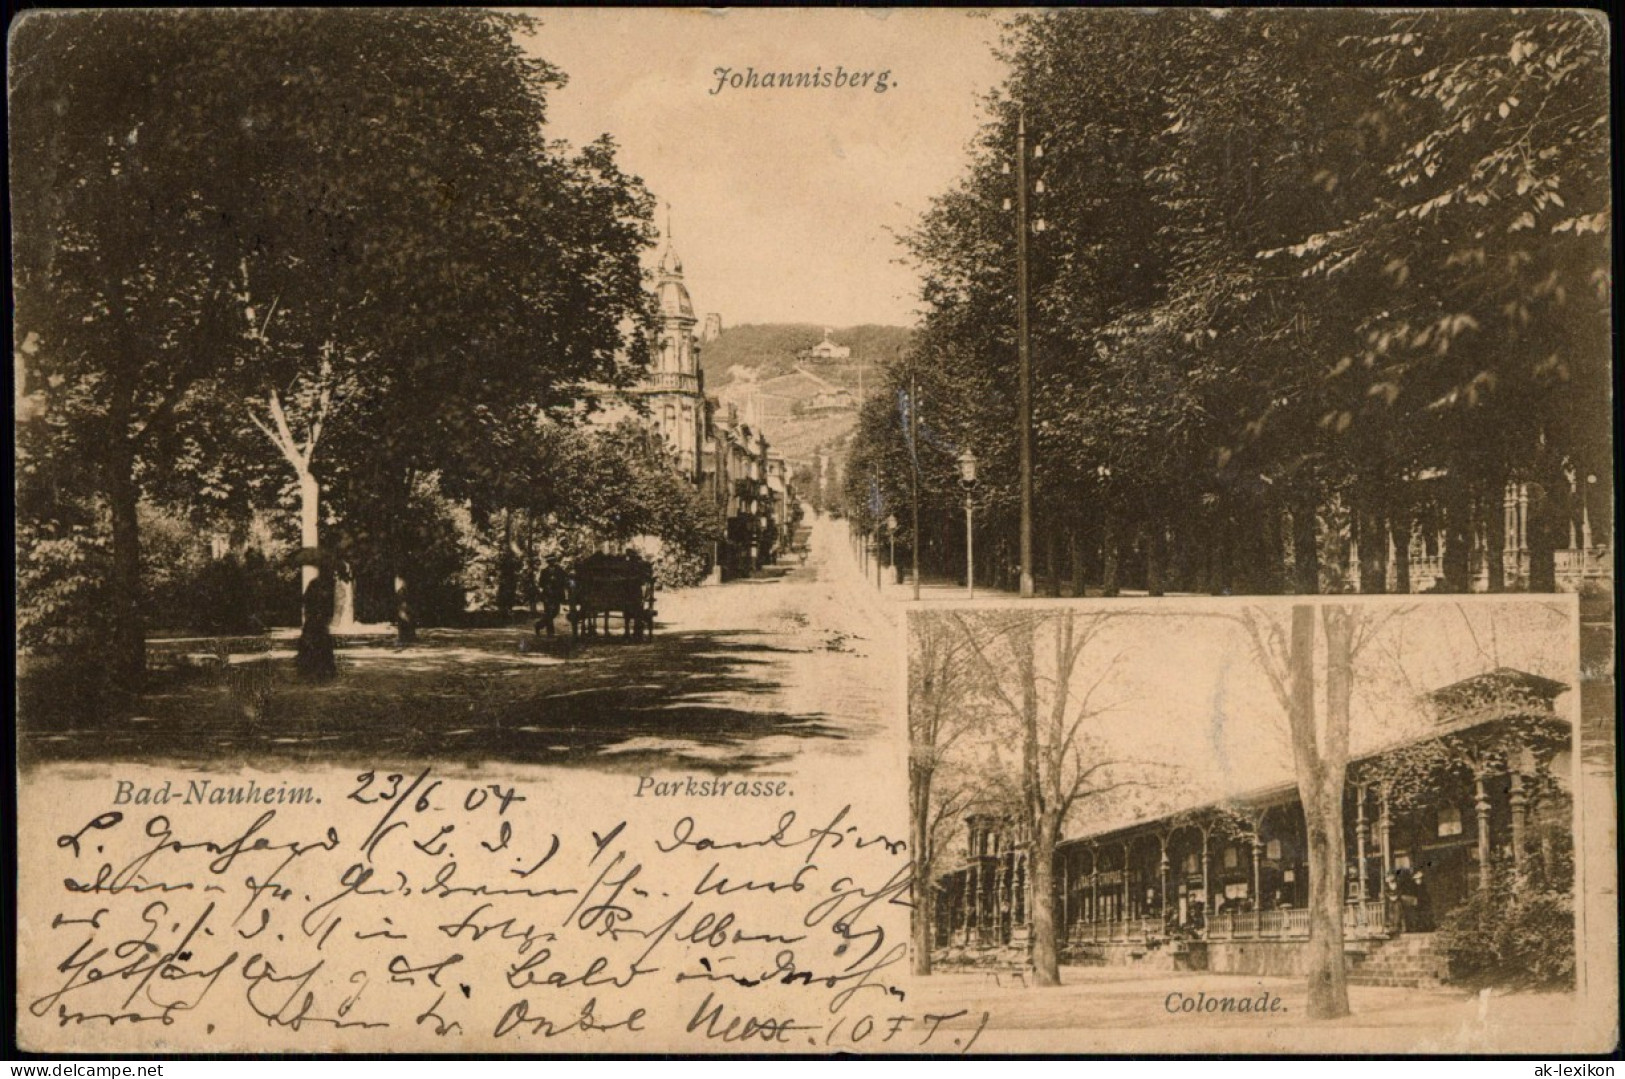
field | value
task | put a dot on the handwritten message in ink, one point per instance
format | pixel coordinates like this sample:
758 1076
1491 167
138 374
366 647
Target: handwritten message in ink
414 909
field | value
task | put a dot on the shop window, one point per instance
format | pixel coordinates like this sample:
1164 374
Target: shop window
1449 820
1191 864
1272 850
1231 858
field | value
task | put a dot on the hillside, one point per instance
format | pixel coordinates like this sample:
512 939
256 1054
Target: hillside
797 400
770 348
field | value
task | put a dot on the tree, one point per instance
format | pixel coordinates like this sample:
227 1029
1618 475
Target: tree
1347 272
1063 761
939 718
258 222
1290 658
123 251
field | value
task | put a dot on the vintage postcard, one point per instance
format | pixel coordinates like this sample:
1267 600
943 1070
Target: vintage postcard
923 532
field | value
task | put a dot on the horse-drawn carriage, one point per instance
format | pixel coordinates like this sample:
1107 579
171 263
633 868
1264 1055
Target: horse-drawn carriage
607 586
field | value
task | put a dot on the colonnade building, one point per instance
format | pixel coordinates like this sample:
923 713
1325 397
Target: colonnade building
1224 886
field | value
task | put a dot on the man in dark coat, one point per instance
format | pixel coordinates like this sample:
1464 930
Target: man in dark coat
554 586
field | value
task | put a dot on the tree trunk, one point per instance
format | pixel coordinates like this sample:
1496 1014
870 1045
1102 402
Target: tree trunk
1495 533
310 516
923 928
1041 822
1274 579
1052 562
1458 532
343 602
1075 555
1373 541
1320 759
406 627
1108 554
1041 902
1305 545
129 660
1548 522
507 567
1156 558
1399 529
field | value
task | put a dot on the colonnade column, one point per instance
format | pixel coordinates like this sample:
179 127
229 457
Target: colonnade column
1385 826
1066 897
1481 803
974 929
1162 867
1207 889
1128 904
1520 806
1360 828
1094 885
1258 859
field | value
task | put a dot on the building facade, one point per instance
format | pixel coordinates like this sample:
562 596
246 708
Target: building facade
714 445
673 389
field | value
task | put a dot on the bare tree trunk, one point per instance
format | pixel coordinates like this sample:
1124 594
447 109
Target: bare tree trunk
1041 901
1040 814
1322 765
923 928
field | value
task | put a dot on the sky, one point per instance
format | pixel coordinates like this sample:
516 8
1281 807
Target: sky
784 202
1184 690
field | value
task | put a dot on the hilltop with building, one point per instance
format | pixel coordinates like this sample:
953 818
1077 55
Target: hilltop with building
802 383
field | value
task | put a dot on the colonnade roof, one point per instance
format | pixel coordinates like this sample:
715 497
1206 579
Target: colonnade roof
1520 689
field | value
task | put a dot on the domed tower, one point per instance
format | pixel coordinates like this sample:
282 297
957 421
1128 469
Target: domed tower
673 385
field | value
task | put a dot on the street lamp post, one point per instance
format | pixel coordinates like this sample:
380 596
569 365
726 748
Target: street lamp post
891 536
967 480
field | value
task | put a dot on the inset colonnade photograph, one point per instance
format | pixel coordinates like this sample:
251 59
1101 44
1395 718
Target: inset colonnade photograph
1302 813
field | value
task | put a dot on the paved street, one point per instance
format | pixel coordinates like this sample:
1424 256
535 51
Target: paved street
751 673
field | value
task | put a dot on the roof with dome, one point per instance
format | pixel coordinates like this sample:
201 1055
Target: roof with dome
670 290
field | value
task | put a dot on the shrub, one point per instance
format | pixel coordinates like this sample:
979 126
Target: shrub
1514 937
63 601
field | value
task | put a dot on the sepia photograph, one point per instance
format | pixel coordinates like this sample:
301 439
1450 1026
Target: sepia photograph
697 530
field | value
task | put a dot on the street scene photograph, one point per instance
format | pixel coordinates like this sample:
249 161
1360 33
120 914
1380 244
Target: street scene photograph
1353 819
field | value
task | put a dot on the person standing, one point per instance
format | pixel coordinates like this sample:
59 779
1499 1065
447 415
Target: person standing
315 660
1423 913
554 585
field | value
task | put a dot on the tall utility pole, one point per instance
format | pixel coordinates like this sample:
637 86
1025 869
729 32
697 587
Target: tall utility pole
914 456
1024 348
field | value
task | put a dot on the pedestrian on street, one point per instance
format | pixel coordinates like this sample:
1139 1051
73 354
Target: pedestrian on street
555 588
